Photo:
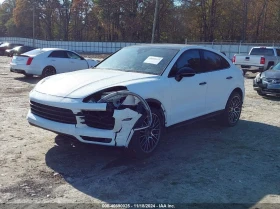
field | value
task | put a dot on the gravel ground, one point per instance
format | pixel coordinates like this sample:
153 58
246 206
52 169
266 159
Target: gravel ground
201 163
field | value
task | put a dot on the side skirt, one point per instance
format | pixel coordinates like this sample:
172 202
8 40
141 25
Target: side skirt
194 120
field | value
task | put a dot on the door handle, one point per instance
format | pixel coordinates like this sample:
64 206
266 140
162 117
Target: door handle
52 60
230 77
203 83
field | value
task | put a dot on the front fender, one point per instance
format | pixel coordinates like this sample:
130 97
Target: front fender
127 114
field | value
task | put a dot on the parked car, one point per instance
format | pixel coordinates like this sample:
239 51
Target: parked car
268 82
49 61
5 46
259 59
132 96
18 50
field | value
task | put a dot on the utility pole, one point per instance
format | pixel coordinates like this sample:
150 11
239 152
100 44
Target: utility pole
245 19
155 21
33 25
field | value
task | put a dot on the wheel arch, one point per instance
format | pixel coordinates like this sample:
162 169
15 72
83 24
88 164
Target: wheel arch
49 66
158 105
239 91
46 67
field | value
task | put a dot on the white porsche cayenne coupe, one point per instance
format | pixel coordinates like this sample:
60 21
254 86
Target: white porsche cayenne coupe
132 96
49 61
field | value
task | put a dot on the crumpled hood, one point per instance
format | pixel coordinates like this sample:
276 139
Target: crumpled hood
82 83
271 74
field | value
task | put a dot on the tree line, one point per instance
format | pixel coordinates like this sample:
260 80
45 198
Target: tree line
132 20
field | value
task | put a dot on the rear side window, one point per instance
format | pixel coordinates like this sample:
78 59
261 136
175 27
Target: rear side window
58 54
262 51
212 61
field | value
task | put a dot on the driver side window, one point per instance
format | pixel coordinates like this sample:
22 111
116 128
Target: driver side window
190 58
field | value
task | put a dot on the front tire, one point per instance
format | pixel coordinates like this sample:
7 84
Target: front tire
48 71
232 112
28 75
260 93
144 142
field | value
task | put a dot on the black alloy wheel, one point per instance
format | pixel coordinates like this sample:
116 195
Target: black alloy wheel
232 112
144 142
48 71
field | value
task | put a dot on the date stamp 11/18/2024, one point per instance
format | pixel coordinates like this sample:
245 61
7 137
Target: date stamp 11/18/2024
138 205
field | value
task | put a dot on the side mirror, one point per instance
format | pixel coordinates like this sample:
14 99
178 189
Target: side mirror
82 58
184 72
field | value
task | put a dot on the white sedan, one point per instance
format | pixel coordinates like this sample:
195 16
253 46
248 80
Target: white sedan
131 97
49 61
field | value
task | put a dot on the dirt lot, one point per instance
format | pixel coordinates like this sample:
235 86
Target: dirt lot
201 163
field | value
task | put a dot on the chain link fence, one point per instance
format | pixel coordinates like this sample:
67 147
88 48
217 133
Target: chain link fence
229 48
81 47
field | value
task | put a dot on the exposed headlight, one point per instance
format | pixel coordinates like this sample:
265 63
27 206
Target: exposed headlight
116 100
93 98
264 78
125 99
119 98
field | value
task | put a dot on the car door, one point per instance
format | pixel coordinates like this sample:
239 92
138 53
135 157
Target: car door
59 60
220 80
76 62
187 95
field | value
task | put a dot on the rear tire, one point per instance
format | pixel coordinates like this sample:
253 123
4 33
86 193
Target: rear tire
144 142
48 71
232 112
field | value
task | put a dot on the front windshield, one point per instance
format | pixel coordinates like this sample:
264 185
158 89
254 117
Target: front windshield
276 67
140 59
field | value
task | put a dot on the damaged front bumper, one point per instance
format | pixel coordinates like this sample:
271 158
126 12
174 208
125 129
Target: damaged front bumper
102 122
266 87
